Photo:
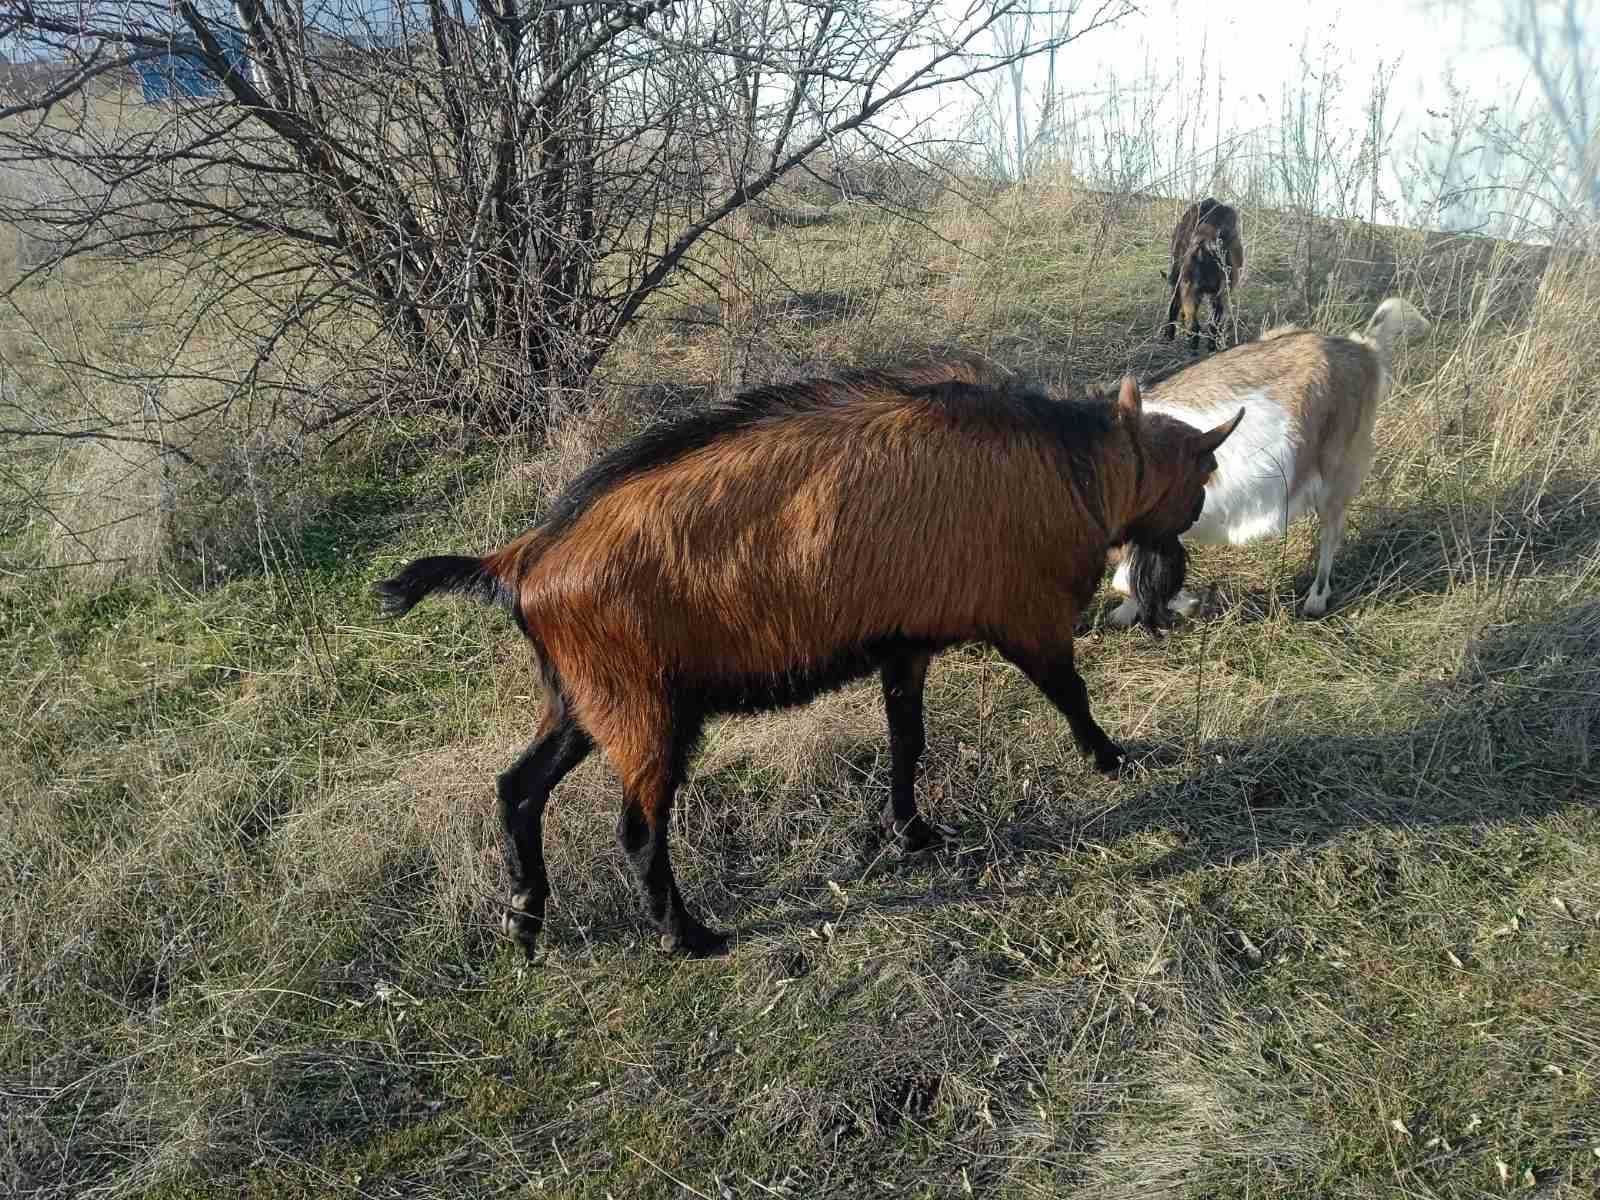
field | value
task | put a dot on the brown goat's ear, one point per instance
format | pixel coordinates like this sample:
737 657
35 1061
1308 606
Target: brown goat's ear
1213 438
1128 397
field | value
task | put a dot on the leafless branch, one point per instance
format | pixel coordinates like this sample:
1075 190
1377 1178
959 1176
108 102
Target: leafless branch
498 190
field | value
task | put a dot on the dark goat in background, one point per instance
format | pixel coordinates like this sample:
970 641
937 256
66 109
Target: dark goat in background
1207 252
757 554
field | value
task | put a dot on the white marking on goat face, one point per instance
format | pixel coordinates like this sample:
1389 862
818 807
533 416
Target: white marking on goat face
1121 581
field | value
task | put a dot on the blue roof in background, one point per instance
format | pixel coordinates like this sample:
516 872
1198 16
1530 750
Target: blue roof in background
183 72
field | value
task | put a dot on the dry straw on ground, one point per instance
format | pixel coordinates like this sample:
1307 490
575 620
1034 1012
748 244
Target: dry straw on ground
1336 934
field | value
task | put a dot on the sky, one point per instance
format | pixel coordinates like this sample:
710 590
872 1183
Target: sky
1256 45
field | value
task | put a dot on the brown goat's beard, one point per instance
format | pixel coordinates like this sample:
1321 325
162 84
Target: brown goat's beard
1156 570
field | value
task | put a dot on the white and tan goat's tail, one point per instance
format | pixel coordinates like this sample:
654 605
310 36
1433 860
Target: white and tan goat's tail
1395 318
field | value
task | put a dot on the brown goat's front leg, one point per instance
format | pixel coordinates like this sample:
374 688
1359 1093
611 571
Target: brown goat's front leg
642 833
1186 307
1170 330
903 680
1056 675
524 789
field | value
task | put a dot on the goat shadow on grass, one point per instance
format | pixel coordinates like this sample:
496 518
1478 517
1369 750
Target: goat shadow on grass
1532 527
1514 739
1538 526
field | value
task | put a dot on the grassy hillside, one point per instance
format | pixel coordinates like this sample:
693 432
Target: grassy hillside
1337 934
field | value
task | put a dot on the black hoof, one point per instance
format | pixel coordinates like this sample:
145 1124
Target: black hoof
1109 760
913 836
523 921
696 941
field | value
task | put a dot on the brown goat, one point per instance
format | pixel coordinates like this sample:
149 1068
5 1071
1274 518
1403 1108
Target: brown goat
799 536
1207 253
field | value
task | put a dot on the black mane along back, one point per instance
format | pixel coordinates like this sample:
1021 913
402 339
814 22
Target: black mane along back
1078 425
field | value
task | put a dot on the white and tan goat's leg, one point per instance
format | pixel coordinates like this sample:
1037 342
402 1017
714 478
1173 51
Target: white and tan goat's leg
1185 603
1332 534
1332 509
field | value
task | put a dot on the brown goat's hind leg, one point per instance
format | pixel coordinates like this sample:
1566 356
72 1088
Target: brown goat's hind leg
642 833
1057 677
524 789
903 680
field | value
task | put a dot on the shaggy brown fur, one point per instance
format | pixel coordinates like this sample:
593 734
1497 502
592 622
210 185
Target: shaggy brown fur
802 536
1207 253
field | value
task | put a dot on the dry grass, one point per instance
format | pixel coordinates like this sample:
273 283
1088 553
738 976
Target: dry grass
139 441
1338 933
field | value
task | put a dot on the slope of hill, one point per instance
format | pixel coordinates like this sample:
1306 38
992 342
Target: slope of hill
1337 934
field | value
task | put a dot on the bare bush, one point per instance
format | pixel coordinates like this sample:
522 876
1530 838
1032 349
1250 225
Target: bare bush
499 194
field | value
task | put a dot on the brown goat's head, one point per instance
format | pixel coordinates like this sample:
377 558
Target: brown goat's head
1177 461
1205 258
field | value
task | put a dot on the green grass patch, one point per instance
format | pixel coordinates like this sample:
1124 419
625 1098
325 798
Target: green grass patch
1337 932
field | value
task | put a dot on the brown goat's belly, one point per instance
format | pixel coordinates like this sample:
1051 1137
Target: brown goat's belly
763 691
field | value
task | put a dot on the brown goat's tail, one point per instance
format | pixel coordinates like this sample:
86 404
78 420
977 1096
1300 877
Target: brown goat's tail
1395 318
441 573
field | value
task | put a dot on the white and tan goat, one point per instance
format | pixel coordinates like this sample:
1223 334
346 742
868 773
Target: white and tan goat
1305 443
